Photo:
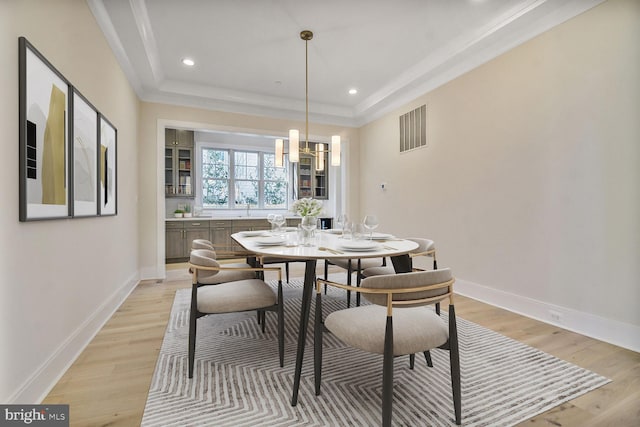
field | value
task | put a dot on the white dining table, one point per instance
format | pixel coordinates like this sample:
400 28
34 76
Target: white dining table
327 245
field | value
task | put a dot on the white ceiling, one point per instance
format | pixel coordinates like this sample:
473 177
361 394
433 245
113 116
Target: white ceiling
250 58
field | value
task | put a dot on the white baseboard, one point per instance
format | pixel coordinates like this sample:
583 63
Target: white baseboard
153 273
38 385
612 331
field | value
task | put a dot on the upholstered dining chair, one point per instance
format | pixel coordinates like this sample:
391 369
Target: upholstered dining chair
233 271
353 265
268 260
426 248
396 323
233 296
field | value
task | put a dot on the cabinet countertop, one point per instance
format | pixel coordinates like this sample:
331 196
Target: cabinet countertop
224 218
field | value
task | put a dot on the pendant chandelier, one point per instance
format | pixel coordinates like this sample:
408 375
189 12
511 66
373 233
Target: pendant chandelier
294 135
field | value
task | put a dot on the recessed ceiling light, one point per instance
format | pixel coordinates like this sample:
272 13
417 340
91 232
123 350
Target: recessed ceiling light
353 91
188 61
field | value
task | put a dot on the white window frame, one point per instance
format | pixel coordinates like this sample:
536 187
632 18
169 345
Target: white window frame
232 180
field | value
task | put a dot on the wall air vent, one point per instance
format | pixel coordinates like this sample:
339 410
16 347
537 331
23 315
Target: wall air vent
413 129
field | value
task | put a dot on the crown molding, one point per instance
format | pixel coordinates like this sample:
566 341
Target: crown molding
513 28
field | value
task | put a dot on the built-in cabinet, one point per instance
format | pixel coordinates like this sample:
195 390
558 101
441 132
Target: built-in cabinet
313 180
220 233
179 234
179 179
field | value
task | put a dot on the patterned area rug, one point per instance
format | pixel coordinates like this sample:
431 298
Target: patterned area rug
238 381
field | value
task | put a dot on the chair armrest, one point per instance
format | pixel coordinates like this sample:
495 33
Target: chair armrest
225 250
430 252
390 291
319 282
193 268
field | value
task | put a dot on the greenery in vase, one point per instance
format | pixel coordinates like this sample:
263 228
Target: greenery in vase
307 207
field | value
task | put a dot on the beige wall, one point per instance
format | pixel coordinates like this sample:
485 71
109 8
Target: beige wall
531 181
150 146
59 279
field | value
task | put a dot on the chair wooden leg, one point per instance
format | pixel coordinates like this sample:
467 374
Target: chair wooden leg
280 324
427 356
263 320
317 344
259 317
412 360
387 374
286 269
438 308
454 359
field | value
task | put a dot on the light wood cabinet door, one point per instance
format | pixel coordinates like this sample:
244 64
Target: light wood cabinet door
174 243
221 235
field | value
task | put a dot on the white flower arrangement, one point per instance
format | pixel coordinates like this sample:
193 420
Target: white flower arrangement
307 207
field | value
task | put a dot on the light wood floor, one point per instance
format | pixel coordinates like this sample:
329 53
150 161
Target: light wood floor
108 384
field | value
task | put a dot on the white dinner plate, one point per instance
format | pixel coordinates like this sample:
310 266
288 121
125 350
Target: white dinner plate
359 245
381 236
253 233
333 231
270 241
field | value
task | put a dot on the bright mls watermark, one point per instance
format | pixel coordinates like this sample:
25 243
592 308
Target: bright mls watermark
34 415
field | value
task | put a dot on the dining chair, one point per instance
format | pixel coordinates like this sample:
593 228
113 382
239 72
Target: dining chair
233 271
229 297
352 265
425 247
267 260
396 323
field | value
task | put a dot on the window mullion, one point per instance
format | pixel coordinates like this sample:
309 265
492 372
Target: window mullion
232 179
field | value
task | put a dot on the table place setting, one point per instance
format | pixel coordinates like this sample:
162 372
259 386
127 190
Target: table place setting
359 245
253 233
270 240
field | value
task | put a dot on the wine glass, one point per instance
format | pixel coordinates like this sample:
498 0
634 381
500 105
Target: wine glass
347 230
270 218
278 221
308 223
341 221
370 223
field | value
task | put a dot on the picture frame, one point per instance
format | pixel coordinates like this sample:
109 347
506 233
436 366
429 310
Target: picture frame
44 123
107 167
84 156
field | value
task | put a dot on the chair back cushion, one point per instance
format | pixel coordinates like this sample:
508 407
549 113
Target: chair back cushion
202 244
204 258
407 281
424 245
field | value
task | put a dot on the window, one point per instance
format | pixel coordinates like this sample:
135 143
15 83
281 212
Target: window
215 178
276 183
235 179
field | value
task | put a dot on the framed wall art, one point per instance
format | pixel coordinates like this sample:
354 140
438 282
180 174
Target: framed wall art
44 137
84 156
107 167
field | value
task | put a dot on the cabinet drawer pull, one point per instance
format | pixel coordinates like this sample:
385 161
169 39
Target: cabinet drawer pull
195 224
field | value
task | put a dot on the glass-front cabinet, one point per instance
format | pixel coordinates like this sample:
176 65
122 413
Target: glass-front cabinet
313 174
178 163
